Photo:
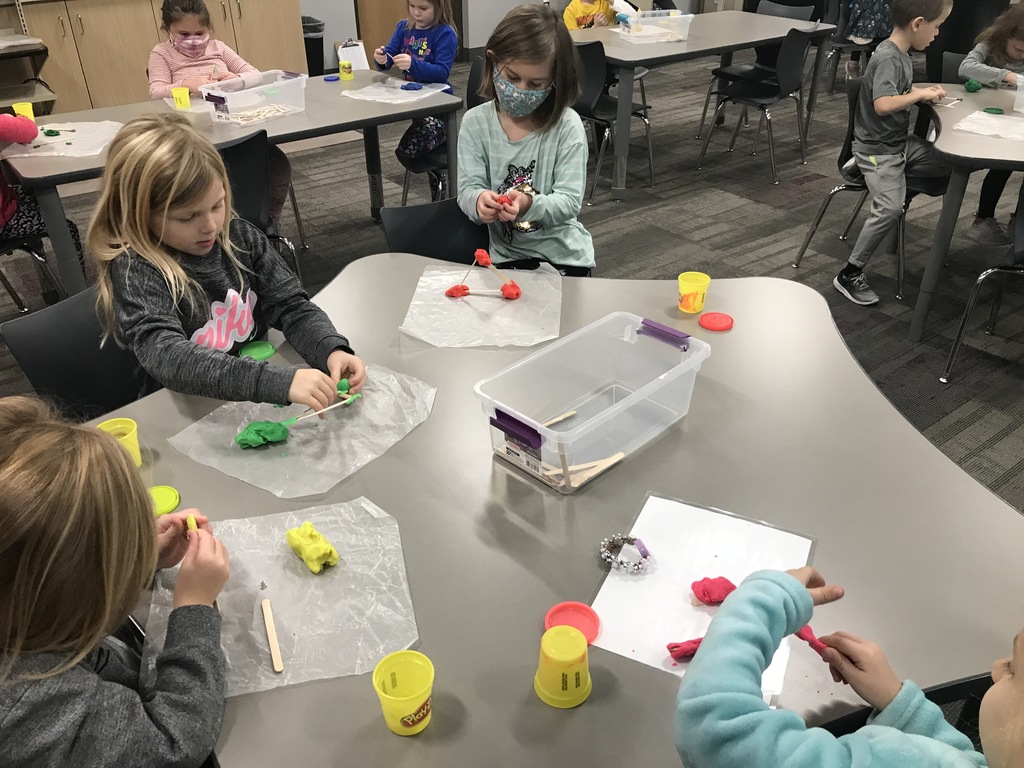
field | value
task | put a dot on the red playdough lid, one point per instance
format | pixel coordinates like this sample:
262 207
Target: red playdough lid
715 321
571 614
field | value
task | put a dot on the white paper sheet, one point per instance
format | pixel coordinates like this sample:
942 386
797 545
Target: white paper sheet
75 140
390 92
338 622
482 321
641 614
1004 126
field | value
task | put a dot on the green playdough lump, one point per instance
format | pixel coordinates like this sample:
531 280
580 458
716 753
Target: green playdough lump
343 387
309 544
972 86
260 433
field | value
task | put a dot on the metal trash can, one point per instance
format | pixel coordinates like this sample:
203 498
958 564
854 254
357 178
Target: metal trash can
313 37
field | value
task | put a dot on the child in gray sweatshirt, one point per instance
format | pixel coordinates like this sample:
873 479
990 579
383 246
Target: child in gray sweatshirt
185 286
80 545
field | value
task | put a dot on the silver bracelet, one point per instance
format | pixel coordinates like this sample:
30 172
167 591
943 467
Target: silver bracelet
611 547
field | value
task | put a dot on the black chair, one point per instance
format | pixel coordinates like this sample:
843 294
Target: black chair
951 66
437 159
838 12
248 167
439 230
52 289
959 700
59 350
1016 255
854 182
599 109
788 84
766 57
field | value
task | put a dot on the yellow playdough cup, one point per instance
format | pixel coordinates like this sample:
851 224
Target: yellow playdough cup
404 680
24 108
127 433
693 287
563 672
181 98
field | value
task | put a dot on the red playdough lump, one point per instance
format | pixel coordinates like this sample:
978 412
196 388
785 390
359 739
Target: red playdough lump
684 651
504 200
805 634
511 291
482 258
457 291
712 591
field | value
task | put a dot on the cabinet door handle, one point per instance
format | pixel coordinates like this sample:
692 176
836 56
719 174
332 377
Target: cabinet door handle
81 26
63 29
224 9
239 4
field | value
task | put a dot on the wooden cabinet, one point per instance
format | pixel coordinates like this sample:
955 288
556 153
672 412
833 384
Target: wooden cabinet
62 71
114 39
266 33
377 20
99 49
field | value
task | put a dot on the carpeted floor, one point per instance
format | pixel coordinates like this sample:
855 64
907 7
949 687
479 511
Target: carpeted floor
730 221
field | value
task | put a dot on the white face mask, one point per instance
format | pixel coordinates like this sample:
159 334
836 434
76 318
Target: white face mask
192 46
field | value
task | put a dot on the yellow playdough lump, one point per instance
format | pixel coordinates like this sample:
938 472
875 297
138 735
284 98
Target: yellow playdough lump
190 521
309 544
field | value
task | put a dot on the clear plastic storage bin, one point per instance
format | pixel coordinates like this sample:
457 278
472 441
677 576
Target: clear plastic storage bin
280 93
576 408
674 21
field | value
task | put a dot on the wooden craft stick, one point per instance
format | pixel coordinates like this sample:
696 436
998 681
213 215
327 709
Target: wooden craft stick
580 478
325 410
563 417
275 648
499 273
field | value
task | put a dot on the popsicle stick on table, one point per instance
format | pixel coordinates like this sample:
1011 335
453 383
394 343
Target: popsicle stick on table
275 648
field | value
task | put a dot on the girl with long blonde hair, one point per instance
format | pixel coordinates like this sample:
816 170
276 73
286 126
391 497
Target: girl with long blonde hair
78 546
184 285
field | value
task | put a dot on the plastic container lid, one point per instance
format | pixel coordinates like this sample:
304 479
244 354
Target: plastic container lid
331 78
257 350
165 499
715 321
572 614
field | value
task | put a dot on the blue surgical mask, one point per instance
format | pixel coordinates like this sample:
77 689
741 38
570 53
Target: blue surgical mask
516 102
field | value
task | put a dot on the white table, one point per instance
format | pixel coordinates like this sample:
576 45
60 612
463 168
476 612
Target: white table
710 33
327 112
966 152
784 426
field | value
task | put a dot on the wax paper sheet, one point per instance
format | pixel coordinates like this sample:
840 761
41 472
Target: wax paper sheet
479 321
390 91
338 622
319 453
1005 126
75 140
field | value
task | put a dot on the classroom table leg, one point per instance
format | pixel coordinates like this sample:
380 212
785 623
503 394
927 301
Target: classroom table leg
620 137
371 148
812 94
60 238
451 127
951 203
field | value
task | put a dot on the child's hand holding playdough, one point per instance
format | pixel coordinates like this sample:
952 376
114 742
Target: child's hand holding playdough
170 536
204 570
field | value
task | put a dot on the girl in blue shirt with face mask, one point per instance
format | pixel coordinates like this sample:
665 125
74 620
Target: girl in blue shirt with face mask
523 155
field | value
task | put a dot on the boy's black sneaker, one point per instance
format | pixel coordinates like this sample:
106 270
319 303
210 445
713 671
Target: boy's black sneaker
855 287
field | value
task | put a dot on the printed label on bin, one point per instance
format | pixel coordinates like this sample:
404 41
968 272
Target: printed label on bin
410 721
523 455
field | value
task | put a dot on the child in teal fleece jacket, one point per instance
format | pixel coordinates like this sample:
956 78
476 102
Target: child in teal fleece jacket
722 720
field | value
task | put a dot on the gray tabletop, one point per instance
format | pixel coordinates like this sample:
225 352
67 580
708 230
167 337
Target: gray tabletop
710 33
784 426
966 153
973 150
326 112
